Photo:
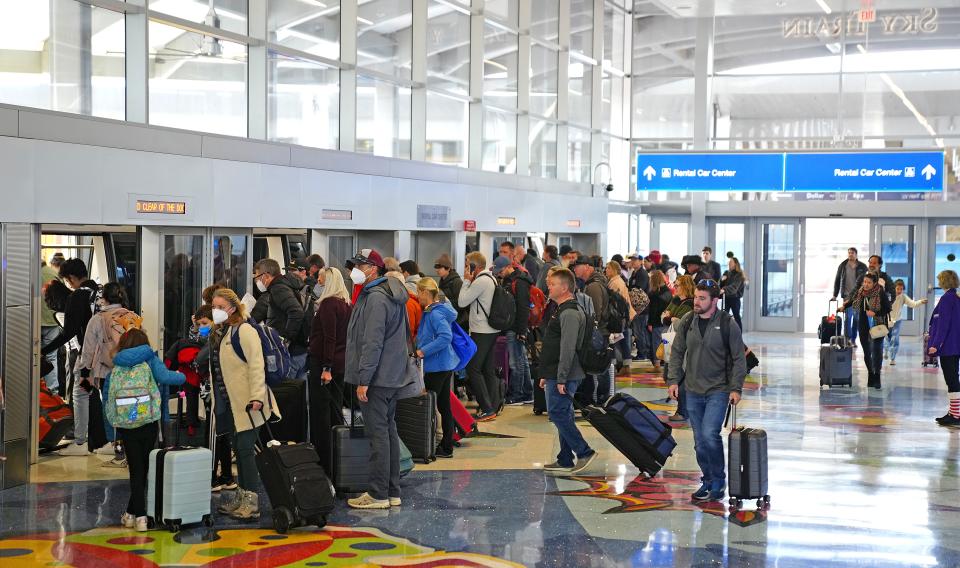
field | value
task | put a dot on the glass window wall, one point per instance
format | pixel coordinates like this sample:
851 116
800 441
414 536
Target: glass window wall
313 27
230 266
304 102
500 54
383 118
543 80
543 149
580 93
578 155
504 10
197 82
448 121
545 20
230 15
499 141
448 48
384 35
581 27
63 55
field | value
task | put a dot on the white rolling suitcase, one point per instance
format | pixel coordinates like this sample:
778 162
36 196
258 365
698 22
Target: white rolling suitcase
178 484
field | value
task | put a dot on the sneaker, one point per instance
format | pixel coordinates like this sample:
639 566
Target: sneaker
128 521
583 463
105 450
718 493
530 401
514 403
230 504
394 501
249 506
677 417
893 362
556 467
485 416
940 419
228 484
75 450
701 494
366 501
215 487
950 420
115 463
142 524
441 453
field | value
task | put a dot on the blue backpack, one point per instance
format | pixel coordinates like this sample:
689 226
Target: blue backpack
463 346
276 356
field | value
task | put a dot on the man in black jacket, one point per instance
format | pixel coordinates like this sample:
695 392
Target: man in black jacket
285 311
518 283
76 316
450 284
845 285
711 268
875 265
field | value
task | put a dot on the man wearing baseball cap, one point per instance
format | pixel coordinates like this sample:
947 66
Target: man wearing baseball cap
376 362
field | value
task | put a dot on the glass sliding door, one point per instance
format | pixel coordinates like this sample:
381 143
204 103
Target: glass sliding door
231 265
780 299
946 256
183 283
894 241
729 240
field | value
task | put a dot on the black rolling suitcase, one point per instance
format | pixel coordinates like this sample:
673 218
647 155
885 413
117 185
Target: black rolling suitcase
292 398
836 359
747 458
830 324
300 492
634 430
417 426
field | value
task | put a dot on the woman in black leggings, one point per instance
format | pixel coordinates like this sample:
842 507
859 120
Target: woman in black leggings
731 286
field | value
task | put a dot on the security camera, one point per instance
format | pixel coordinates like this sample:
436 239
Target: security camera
608 187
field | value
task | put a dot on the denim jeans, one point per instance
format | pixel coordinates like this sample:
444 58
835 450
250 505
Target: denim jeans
625 344
81 411
641 336
47 334
560 411
850 321
298 367
706 413
521 385
656 338
891 343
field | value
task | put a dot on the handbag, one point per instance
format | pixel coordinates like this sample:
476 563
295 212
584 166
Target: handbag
666 344
414 384
878 331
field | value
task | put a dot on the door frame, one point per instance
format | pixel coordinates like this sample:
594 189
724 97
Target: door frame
747 259
758 321
920 281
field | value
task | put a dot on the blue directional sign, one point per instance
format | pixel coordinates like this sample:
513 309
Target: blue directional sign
710 172
864 171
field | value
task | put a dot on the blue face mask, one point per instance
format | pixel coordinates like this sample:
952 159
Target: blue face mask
203 331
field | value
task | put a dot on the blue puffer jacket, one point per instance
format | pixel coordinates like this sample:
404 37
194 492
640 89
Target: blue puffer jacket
161 374
434 338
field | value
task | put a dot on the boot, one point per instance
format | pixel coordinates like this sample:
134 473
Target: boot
249 506
227 507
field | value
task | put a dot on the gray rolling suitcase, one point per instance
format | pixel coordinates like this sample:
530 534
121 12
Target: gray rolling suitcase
836 360
747 458
178 484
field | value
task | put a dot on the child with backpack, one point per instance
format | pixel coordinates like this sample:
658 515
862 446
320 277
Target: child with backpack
133 407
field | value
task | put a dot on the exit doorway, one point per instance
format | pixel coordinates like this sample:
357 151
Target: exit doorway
824 248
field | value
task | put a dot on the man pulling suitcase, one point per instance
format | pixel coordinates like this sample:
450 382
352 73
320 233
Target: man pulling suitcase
708 356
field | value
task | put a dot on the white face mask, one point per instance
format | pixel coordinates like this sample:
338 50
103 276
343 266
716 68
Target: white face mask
357 276
317 290
261 286
220 316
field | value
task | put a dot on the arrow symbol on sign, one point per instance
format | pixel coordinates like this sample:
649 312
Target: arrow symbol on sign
928 172
650 172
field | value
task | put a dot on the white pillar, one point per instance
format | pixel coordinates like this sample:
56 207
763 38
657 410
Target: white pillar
475 149
257 71
402 245
418 94
348 77
320 244
151 303
523 90
135 63
702 120
563 92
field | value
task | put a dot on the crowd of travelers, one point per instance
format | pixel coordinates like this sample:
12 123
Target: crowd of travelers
351 333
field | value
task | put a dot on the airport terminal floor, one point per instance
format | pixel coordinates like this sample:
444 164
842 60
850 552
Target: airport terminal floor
858 477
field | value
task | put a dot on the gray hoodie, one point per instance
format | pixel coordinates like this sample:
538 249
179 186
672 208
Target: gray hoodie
703 362
377 335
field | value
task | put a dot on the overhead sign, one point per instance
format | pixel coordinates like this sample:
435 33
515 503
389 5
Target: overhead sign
433 216
470 225
710 172
864 171
161 207
808 172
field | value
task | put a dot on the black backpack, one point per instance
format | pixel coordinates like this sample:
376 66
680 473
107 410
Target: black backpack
618 312
595 352
503 307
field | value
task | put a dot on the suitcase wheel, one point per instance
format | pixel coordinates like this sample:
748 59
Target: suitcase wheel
282 520
208 520
320 521
538 413
173 525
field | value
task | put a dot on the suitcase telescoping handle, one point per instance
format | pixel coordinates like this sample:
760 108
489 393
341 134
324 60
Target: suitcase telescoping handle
731 409
830 303
181 397
266 422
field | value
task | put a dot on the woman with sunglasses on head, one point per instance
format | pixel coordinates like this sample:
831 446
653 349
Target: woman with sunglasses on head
731 288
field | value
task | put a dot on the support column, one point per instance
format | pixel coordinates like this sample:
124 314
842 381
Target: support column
418 95
320 244
523 90
475 149
71 62
402 245
596 101
348 77
563 93
459 249
702 118
135 64
257 71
